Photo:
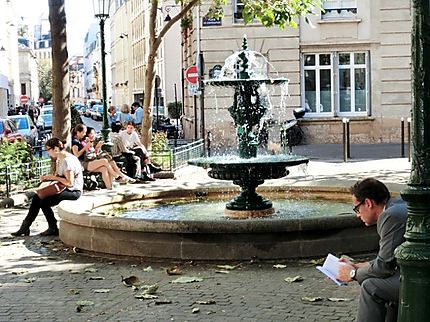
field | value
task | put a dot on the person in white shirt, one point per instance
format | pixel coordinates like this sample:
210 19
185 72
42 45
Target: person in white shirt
131 141
69 173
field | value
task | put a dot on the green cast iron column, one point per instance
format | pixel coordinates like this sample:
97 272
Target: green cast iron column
414 255
105 129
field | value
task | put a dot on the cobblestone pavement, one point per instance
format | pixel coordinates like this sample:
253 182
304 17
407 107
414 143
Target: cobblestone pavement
41 279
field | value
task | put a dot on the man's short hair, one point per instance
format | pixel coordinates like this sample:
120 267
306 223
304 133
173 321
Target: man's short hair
371 188
116 127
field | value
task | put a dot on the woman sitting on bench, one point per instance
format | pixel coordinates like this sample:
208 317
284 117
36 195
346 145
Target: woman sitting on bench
101 165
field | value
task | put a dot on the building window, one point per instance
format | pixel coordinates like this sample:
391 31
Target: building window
339 9
23 89
336 83
238 9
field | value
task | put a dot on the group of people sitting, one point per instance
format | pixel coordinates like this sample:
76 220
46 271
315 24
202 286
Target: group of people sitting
126 145
88 155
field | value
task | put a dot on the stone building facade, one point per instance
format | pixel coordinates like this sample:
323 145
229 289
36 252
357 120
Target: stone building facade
353 61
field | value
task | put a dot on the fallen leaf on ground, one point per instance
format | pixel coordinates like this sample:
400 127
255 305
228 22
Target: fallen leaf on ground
318 261
73 292
19 272
131 281
229 267
148 269
208 302
195 310
297 278
30 280
337 299
175 270
102 290
312 299
150 289
187 279
279 266
81 305
144 296
96 278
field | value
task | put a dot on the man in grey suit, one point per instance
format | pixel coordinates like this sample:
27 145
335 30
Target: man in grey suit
380 278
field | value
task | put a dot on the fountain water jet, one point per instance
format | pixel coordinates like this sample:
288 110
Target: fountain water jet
245 72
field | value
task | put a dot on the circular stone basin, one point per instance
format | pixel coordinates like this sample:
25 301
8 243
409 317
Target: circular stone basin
207 209
213 238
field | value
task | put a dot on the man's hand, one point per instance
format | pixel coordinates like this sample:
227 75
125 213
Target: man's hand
344 273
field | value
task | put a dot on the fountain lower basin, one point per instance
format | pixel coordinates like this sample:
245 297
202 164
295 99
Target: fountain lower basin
264 238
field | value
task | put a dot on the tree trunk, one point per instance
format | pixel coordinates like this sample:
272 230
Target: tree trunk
154 44
61 118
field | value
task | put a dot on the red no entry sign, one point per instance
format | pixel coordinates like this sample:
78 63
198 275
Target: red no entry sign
192 75
23 99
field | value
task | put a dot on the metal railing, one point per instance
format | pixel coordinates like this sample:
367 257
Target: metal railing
176 158
19 177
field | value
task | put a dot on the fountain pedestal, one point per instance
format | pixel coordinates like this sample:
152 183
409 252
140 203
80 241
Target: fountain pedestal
248 174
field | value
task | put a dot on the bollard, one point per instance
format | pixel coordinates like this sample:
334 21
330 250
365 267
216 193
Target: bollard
345 150
402 137
409 139
209 141
348 143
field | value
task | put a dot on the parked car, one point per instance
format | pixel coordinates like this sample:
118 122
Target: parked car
80 108
44 122
97 112
9 131
26 128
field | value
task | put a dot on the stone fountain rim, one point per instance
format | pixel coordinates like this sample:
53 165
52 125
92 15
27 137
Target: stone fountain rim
87 215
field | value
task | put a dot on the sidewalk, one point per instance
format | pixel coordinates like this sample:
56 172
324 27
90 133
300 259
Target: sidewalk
41 279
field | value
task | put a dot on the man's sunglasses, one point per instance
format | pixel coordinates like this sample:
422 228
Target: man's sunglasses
357 207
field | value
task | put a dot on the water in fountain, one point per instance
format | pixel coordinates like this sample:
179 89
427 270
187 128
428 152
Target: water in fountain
246 72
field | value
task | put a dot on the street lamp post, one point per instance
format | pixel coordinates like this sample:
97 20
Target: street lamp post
101 12
414 255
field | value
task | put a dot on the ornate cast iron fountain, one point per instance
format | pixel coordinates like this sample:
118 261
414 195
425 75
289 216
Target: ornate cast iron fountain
249 106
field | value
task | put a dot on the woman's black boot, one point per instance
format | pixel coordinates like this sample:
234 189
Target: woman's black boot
51 231
24 230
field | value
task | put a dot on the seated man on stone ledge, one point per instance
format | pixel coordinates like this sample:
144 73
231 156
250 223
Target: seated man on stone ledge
380 278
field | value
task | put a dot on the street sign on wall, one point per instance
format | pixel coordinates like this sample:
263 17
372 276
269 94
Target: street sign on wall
192 74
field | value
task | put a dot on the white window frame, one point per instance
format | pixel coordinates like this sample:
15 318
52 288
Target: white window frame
236 5
335 79
352 66
339 9
317 67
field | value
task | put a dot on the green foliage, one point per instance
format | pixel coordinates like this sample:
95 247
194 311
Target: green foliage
278 12
44 70
160 142
270 13
174 110
14 153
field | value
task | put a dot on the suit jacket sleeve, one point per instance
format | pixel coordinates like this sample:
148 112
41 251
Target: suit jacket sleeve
391 229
